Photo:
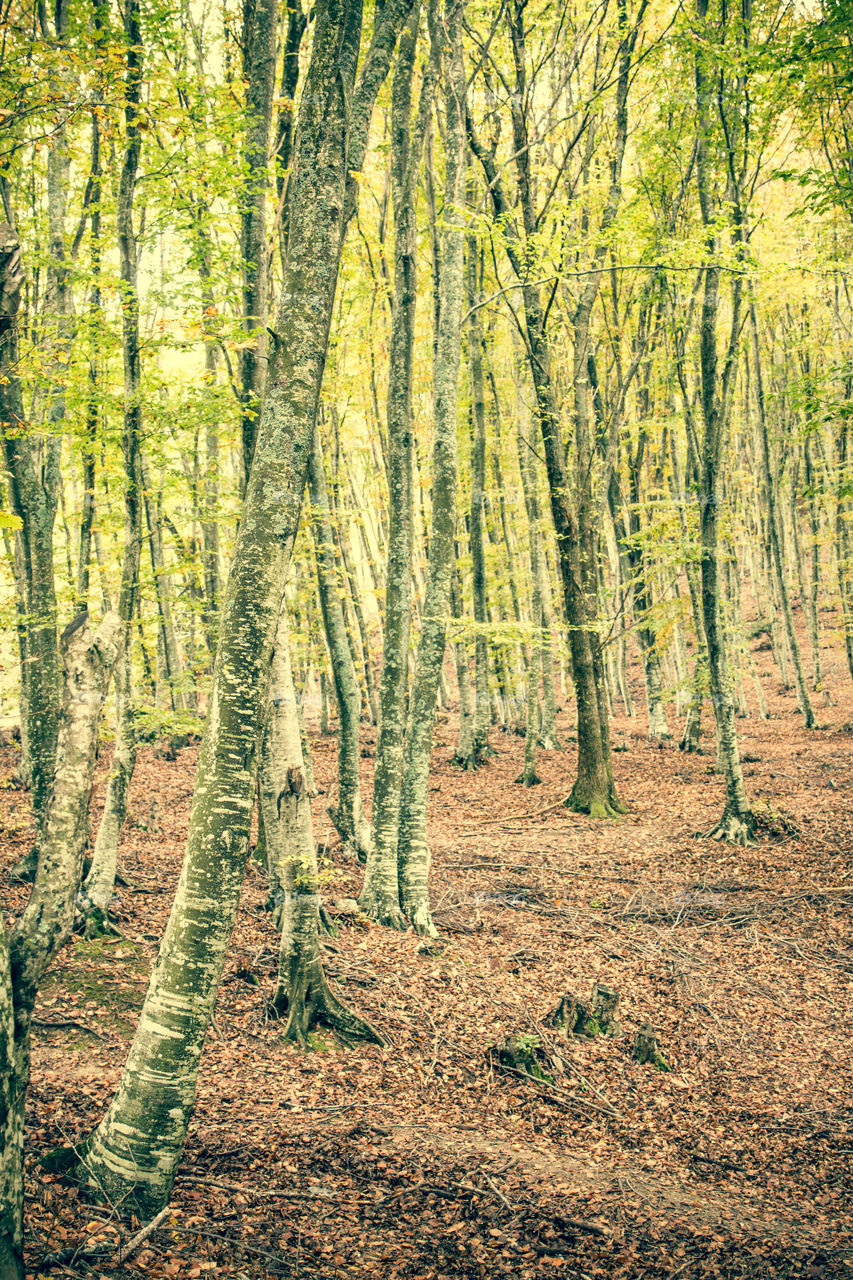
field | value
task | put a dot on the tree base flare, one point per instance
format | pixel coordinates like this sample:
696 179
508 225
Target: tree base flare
356 837
311 1003
529 778
734 828
599 802
421 918
383 911
597 807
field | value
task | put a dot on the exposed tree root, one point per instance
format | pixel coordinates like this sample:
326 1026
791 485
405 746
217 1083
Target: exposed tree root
310 1002
384 911
24 871
734 828
421 918
95 922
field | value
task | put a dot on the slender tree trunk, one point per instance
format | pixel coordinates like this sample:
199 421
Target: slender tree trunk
348 817
303 994
413 848
100 882
380 896
171 657
773 521
737 823
464 752
260 26
476 343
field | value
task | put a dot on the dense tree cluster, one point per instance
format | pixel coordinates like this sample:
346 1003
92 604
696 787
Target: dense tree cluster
425 354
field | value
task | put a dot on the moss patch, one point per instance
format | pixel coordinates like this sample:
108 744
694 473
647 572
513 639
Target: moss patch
99 981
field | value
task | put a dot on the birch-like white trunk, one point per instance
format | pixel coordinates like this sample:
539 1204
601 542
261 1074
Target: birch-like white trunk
47 918
413 851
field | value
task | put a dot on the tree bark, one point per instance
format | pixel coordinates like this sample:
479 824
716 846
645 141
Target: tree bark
46 921
133 1155
413 851
380 894
100 882
33 466
260 27
348 816
303 994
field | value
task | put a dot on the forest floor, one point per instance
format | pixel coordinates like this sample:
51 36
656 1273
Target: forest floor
423 1159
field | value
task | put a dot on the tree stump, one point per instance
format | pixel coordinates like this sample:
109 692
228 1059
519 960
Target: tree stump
521 1054
645 1048
597 1017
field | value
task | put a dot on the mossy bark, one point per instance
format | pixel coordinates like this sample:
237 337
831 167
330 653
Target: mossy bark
133 1155
413 851
46 920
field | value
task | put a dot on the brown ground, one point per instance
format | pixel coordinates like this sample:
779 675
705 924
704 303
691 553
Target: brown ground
423 1160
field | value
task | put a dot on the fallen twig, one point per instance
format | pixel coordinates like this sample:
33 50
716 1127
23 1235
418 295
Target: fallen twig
557 1094
513 817
67 1022
142 1235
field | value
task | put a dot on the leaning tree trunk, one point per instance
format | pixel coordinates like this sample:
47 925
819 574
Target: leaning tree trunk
413 854
46 920
348 816
303 994
133 1155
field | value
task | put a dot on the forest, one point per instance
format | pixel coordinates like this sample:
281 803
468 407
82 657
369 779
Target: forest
426 661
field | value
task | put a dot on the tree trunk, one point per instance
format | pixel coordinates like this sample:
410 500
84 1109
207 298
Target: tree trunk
46 921
100 881
33 466
348 817
737 823
380 896
773 521
133 1155
260 26
303 993
413 849
476 343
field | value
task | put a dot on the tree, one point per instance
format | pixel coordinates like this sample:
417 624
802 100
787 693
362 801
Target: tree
134 1153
